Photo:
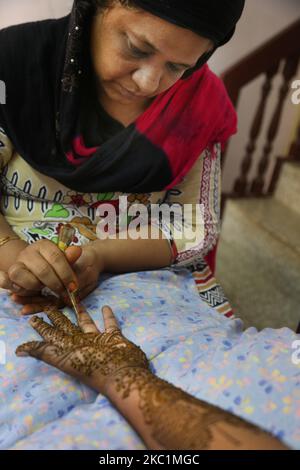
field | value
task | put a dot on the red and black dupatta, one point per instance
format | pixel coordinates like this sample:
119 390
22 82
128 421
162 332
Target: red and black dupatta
44 65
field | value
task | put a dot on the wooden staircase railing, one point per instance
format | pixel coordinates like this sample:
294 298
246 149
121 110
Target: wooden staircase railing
279 55
293 156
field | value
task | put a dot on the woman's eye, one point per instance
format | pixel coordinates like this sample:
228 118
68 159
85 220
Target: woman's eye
137 52
175 69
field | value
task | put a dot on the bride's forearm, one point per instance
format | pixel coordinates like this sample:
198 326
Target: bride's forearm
167 418
127 255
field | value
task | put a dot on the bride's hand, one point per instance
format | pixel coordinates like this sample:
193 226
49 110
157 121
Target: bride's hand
91 356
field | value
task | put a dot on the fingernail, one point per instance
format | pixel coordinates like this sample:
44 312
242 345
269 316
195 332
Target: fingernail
20 351
24 313
26 310
66 299
106 307
81 308
33 319
72 287
22 354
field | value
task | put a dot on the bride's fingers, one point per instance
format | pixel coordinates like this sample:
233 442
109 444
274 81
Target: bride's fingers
51 334
35 349
85 322
61 322
110 321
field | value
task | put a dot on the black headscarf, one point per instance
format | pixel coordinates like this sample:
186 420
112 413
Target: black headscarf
46 64
212 19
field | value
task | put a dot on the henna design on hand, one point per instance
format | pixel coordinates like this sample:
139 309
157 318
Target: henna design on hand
83 351
178 420
108 361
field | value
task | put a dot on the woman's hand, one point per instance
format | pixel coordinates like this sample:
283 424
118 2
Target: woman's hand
42 264
36 266
9 254
87 267
82 351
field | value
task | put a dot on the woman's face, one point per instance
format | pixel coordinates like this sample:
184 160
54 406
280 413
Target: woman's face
137 55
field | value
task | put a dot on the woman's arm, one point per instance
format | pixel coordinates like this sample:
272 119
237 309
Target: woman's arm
25 269
120 256
163 415
168 418
199 196
114 256
10 251
198 200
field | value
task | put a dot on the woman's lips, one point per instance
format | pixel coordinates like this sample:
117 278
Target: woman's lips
128 93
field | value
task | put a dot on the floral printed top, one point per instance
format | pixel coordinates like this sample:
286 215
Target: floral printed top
35 205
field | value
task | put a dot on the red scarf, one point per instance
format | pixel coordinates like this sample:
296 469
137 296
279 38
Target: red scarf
191 116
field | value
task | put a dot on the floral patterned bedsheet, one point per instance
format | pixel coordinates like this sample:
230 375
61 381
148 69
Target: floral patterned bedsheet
210 356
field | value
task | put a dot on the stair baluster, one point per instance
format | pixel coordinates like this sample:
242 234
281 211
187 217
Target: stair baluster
241 183
294 155
289 71
295 148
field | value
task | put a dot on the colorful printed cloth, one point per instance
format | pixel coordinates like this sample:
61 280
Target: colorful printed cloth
249 373
35 206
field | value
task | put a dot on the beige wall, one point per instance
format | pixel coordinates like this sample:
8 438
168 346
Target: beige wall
262 19
21 11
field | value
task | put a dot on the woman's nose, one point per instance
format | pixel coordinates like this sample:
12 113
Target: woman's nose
147 79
